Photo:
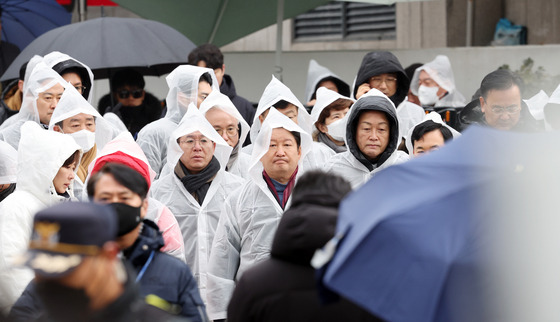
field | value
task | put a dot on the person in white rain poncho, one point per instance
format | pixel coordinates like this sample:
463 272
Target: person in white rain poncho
372 138
75 117
328 119
187 84
279 96
429 135
408 114
124 150
434 84
42 91
8 170
320 76
46 166
251 214
73 71
230 125
196 186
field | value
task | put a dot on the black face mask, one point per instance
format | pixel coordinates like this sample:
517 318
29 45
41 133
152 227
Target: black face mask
63 303
128 217
6 192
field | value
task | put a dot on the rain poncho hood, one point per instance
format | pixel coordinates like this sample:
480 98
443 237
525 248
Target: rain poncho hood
409 114
440 71
382 62
432 116
8 163
261 144
41 154
539 108
221 101
60 62
72 103
194 121
274 92
41 79
183 89
316 74
325 97
373 100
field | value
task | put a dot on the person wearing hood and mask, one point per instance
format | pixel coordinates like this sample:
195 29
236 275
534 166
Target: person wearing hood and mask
196 186
186 84
279 96
47 162
74 72
429 135
42 91
77 118
287 280
210 56
8 170
124 150
382 70
372 138
319 76
328 119
434 84
251 214
230 125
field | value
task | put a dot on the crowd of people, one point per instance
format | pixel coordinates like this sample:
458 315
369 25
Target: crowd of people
202 206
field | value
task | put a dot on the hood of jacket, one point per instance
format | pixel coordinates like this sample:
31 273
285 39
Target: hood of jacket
41 153
316 74
382 62
149 236
374 100
308 225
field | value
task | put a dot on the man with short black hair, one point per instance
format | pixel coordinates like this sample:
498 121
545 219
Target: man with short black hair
428 136
210 56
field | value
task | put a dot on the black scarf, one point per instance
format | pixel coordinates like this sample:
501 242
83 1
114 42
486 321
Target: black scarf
322 137
198 184
8 191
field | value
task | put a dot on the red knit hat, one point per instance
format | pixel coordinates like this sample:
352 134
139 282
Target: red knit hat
124 159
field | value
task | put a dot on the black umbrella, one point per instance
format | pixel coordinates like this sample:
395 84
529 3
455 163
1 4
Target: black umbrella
105 44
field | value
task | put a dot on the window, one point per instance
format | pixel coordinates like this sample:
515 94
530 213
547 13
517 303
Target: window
340 20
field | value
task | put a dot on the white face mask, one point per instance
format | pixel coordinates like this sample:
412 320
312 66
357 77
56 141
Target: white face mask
337 129
428 95
85 139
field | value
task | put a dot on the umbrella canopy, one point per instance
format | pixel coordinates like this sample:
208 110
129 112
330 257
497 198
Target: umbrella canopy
110 43
415 240
25 20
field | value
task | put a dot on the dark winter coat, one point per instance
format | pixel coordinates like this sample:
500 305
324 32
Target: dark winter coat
383 62
283 288
244 107
10 90
134 117
166 276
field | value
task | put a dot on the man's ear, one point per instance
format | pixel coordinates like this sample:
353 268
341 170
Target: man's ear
299 151
144 208
482 104
224 68
57 129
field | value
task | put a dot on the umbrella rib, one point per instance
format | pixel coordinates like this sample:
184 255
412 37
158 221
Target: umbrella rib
218 21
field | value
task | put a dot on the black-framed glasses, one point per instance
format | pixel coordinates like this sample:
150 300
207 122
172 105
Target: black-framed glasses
125 93
81 89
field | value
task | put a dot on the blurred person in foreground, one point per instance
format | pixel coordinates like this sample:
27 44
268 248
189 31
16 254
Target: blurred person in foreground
283 287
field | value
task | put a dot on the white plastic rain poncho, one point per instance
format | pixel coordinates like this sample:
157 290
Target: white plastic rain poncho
248 220
326 97
71 104
59 62
8 163
274 92
124 150
440 71
183 89
352 165
238 163
409 114
432 116
537 103
316 73
41 154
197 222
41 79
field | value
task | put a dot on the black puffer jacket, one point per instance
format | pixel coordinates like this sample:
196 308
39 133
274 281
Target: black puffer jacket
382 62
283 288
372 103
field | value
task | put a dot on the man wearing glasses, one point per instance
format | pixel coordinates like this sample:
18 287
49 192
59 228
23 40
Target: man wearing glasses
500 101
